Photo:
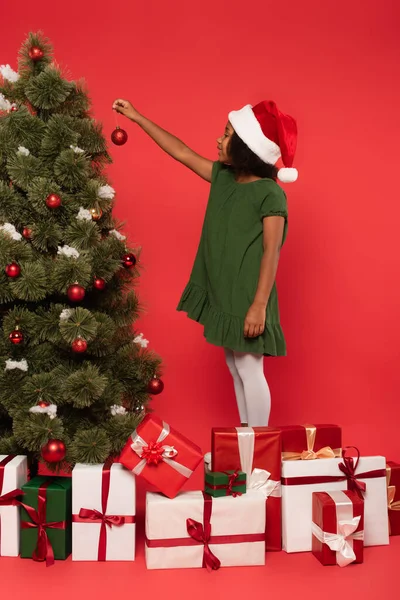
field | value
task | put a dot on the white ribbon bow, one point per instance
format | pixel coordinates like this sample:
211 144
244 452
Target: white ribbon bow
339 542
168 455
260 480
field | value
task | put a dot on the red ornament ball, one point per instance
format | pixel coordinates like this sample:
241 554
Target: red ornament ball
13 270
43 404
119 136
16 337
156 386
14 108
129 260
99 283
27 233
36 53
79 345
96 213
76 293
53 201
54 451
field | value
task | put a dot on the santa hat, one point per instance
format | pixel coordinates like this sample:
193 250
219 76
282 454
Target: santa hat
269 133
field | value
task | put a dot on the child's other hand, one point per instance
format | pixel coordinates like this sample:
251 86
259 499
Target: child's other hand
125 108
254 323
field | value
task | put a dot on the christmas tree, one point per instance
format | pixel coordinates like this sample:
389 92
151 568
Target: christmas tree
74 375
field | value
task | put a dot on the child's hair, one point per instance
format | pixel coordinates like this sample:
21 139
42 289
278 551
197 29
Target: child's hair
244 161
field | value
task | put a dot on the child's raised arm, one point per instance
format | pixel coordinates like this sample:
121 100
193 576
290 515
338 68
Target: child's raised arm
167 142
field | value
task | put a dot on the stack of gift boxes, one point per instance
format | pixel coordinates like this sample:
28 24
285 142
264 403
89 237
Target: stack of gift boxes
265 488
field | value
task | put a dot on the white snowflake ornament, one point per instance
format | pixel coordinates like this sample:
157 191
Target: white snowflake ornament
139 339
16 364
8 73
116 409
84 215
4 103
12 232
117 234
68 251
23 151
106 192
50 410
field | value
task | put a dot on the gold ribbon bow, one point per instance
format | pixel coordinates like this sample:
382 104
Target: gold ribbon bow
391 492
309 454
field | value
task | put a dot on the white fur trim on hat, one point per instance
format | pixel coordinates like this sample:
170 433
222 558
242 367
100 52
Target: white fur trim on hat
249 130
288 175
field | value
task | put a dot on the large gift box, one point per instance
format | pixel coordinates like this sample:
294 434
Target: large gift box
13 475
308 442
338 527
249 449
46 519
301 478
161 455
196 530
393 494
103 513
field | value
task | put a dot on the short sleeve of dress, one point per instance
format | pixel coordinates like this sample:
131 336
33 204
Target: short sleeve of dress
216 170
274 204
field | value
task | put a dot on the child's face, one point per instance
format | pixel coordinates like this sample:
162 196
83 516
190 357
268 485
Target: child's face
223 144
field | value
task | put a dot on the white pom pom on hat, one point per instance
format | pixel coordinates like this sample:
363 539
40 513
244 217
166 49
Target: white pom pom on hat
270 134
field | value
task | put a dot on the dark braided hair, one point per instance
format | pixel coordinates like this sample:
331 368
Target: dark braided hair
243 161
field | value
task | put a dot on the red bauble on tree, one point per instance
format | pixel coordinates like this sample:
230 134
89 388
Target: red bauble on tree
76 293
129 260
27 233
13 270
53 201
96 213
36 53
14 108
119 136
43 404
156 386
16 337
54 451
99 283
79 345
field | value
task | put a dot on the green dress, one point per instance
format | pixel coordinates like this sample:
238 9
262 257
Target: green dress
225 273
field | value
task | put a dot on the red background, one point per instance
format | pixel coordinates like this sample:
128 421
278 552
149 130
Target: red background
334 66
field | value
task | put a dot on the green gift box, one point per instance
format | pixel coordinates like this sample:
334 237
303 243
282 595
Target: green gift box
46 531
225 483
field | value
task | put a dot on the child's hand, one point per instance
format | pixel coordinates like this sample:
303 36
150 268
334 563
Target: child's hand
125 108
254 323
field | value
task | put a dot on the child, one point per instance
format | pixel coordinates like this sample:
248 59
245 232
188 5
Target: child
232 290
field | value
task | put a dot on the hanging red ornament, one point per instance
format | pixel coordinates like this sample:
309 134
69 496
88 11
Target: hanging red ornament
27 233
96 213
119 136
76 292
43 404
79 345
54 451
53 201
14 108
129 260
36 53
13 270
99 283
156 386
16 337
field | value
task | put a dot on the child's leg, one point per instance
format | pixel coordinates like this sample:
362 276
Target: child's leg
256 390
238 385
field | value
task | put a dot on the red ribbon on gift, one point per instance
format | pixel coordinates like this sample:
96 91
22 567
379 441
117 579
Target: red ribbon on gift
44 549
200 534
94 516
9 499
232 482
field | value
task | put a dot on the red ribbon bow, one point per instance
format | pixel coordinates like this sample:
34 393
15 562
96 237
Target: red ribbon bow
231 483
153 453
349 467
202 533
44 549
98 517
10 499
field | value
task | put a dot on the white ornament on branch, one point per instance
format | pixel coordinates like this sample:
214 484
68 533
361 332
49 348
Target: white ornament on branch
116 409
117 234
9 73
65 314
106 192
12 232
76 149
68 251
16 364
84 214
139 339
50 410
4 103
23 151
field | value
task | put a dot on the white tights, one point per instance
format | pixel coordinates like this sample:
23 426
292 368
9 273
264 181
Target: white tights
251 388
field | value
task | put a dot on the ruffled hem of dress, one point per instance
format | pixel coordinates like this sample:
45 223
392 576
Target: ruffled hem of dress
222 329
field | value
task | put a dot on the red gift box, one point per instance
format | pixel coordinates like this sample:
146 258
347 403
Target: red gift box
161 455
338 527
308 442
393 483
246 449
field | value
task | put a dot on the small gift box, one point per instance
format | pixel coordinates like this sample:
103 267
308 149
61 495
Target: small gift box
103 513
161 455
250 449
46 519
366 476
338 527
13 475
393 496
225 483
196 530
309 442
